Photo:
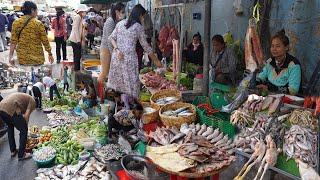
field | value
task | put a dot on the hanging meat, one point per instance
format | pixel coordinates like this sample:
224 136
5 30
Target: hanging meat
166 35
176 58
253 51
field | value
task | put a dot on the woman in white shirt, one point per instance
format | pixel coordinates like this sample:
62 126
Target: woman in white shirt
76 36
49 82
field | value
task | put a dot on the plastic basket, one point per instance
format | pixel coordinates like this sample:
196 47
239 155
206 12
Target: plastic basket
218 120
200 100
289 166
219 87
46 164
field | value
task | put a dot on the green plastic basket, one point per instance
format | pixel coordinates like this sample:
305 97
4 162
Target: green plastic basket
289 166
218 120
219 87
46 164
200 100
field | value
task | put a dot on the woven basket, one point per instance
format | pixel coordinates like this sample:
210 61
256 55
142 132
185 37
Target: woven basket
177 121
165 93
150 117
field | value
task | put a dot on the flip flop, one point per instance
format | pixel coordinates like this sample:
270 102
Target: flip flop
25 156
14 153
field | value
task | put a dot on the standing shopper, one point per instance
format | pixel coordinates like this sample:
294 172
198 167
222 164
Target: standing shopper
15 110
65 78
37 91
76 36
117 14
124 70
49 82
91 32
60 34
28 35
3 22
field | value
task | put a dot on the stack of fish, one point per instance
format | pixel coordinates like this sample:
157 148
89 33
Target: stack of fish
259 103
184 111
166 100
108 152
165 136
301 143
90 170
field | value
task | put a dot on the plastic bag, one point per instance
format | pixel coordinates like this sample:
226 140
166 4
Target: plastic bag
240 97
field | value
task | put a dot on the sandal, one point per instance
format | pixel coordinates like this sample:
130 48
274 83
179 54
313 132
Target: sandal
14 153
25 156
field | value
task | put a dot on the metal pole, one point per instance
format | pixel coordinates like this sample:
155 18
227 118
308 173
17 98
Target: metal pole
206 43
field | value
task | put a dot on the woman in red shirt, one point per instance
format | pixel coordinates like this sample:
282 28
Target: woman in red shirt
60 34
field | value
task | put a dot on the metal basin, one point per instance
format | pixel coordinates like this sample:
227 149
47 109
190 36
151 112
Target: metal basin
138 167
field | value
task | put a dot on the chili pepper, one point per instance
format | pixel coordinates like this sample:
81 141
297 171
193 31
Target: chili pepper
307 102
209 110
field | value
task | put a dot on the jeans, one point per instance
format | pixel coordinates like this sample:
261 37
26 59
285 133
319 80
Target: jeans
16 121
55 89
91 40
61 43
37 96
3 41
76 55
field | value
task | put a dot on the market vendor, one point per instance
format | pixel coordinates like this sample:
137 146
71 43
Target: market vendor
223 62
15 110
49 82
125 120
91 96
282 73
194 52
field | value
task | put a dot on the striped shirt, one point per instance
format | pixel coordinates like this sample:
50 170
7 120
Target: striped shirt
108 28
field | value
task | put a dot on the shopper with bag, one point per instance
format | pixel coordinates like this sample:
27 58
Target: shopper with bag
27 37
77 35
15 110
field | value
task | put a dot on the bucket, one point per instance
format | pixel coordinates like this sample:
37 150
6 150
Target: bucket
105 108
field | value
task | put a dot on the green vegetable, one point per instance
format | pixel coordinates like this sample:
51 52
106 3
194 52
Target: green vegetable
145 70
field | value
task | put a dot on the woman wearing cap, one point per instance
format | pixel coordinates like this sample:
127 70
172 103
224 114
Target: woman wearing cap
117 14
76 36
124 69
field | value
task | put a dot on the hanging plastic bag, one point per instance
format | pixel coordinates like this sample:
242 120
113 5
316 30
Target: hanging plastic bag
240 97
237 4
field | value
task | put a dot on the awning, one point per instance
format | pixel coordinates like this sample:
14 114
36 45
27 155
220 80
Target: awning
101 1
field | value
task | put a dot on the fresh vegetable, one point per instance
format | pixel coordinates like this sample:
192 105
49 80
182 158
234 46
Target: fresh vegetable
145 70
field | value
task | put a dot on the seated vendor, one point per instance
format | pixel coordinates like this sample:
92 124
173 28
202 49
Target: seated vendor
126 120
223 62
282 73
194 52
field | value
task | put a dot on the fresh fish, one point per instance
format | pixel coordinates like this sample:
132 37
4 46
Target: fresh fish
202 129
266 103
198 126
216 139
207 132
274 105
148 110
213 135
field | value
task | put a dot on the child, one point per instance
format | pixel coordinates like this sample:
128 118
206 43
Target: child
91 95
126 120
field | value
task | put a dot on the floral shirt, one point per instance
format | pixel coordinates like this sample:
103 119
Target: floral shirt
124 117
29 45
62 30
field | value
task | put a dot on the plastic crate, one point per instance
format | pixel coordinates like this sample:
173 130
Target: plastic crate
218 120
289 166
200 100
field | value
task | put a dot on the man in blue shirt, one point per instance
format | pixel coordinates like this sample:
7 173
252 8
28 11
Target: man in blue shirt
3 23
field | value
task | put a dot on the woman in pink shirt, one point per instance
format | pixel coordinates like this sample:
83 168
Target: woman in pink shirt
60 34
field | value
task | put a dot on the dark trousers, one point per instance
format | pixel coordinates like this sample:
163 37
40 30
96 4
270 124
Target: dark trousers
66 86
37 96
61 43
55 89
76 55
16 121
91 40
